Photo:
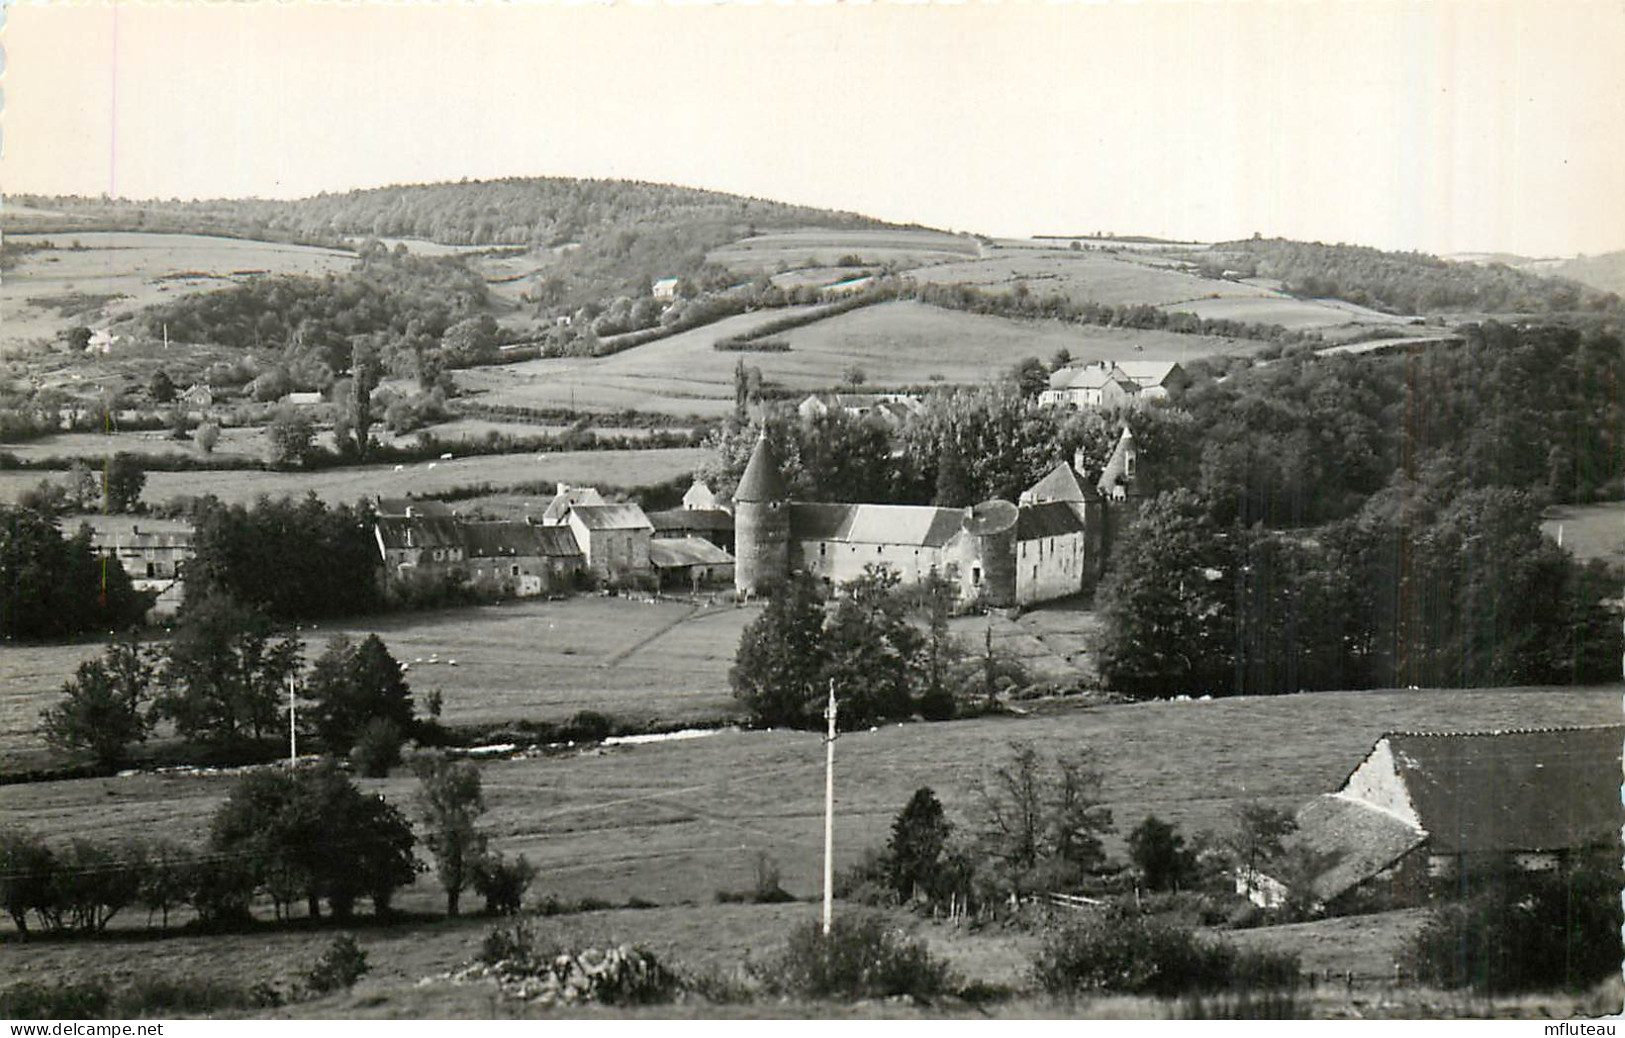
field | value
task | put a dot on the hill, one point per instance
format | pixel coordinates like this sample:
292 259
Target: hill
1605 273
525 211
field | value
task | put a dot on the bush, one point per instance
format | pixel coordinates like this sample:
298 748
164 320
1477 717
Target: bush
341 965
1135 955
1525 932
378 748
83 1000
860 958
503 883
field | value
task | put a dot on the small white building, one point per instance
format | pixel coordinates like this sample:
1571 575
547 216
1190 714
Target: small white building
665 289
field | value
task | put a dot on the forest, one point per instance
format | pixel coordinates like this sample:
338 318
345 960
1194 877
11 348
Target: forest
1412 282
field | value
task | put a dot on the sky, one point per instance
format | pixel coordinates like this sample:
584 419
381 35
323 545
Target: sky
1452 126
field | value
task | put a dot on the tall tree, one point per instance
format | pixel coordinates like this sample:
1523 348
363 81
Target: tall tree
122 480
450 802
354 684
224 677
52 586
779 668
101 711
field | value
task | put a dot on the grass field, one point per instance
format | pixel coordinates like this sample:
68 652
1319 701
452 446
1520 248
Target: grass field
1098 277
345 485
1333 317
1589 531
679 820
140 269
825 248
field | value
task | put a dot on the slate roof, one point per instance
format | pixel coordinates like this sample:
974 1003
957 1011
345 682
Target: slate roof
419 532
567 498
1092 376
672 519
1061 484
611 517
1054 519
1149 372
1550 789
762 480
676 552
499 539
399 506
918 525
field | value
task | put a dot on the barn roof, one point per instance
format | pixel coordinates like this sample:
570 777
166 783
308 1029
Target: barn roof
1092 376
677 552
611 517
1360 840
762 480
1052 519
1149 372
917 525
1538 790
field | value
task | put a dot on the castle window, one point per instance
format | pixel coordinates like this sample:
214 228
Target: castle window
516 571
821 547
976 574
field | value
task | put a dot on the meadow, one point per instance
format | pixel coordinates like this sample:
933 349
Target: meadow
621 468
1589 531
138 270
824 248
1099 277
679 820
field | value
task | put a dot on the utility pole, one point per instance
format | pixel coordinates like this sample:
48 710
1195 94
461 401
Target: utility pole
293 728
829 811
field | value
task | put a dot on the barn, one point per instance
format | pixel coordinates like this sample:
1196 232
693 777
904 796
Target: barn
1422 808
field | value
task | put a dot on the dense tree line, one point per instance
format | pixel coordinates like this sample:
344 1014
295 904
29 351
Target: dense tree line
1414 282
53 586
298 560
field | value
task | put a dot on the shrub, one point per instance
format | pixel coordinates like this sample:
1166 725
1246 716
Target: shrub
503 883
517 944
378 748
1129 954
83 1000
860 958
1523 932
341 965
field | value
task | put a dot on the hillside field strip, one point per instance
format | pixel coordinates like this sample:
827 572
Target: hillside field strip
642 663
1589 531
679 820
825 248
139 269
612 468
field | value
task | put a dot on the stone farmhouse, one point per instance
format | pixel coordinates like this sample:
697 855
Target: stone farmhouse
1424 806
1108 383
1050 545
890 409
152 559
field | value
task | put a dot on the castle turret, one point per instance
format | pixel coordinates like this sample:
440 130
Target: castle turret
761 523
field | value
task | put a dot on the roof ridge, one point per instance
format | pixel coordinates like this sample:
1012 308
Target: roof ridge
1538 730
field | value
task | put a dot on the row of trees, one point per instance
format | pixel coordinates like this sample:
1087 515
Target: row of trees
307 836
223 679
1429 585
885 649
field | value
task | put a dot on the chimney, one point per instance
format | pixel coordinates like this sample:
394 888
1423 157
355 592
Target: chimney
564 488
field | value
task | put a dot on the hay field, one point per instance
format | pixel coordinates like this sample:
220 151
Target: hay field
679 820
826 248
1589 531
1328 315
1097 277
626 468
139 269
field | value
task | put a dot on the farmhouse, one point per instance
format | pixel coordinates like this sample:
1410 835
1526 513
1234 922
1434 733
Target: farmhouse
1107 383
892 409
664 289
1049 546
516 558
700 497
1422 807
153 561
614 539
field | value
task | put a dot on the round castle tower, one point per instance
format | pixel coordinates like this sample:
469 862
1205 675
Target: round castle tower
761 523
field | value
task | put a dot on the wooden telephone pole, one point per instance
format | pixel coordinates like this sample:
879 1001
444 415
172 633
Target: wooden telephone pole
829 810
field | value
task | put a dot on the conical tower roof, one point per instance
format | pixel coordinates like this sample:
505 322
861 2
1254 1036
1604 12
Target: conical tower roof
762 481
